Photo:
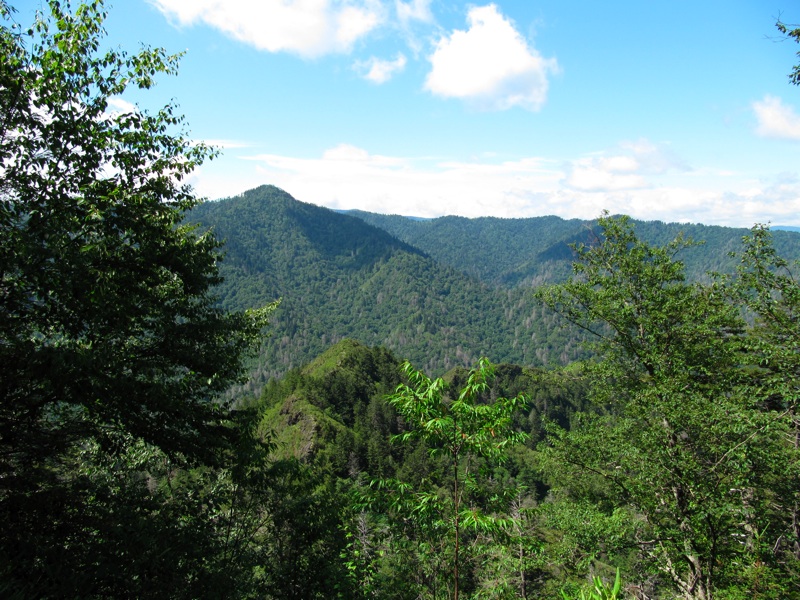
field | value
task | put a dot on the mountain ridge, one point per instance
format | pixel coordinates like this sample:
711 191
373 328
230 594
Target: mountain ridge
339 277
534 250
440 293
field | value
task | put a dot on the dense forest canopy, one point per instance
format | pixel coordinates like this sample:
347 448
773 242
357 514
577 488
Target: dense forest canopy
339 277
535 251
113 351
639 436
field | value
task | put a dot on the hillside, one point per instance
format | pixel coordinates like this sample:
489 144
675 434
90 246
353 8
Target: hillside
440 292
497 251
532 251
340 277
332 411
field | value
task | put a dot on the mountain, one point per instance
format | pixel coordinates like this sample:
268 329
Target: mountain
504 252
332 411
528 252
439 292
339 277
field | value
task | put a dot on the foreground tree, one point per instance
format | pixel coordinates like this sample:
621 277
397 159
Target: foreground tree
686 443
765 285
109 336
471 434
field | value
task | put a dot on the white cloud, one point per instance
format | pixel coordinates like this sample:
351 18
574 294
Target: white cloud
490 65
380 71
603 175
776 119
351 177
119 106
416 10
347 177
630 167
306 27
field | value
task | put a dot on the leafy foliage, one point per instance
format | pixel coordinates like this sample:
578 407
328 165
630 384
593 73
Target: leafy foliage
463 429
112 348
689 445
600 590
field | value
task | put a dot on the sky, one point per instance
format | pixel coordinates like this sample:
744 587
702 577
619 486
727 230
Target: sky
678 111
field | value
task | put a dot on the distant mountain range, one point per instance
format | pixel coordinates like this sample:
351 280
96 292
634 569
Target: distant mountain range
532 251
440 292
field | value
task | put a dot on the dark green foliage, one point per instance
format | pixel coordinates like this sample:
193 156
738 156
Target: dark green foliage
535 251
420 297
112 348
505 252
766 287
332 416
690 445
340 278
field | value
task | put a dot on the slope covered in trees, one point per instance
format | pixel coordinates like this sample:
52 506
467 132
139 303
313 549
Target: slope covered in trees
464 296
676 462
339 277
535 251
671 455
396 496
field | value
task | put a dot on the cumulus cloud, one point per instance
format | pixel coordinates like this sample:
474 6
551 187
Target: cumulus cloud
380 71
416 10
350 177
629 167
347 177
489 65
605 174
306 27
776 119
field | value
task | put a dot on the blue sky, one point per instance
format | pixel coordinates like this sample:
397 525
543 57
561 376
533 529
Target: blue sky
676 111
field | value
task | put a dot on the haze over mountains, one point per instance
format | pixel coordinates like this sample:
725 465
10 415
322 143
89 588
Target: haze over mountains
440 292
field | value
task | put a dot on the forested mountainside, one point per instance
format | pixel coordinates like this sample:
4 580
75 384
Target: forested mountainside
440 292
504 252
339 277
532 251
671 455
333 417
333 411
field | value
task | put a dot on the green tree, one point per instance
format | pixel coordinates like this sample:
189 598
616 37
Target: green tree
462 429
685 445
109 333
766 286
794 34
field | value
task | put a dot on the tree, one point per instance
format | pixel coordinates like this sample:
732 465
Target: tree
765 285
791 33
109 333
682 440
463 429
